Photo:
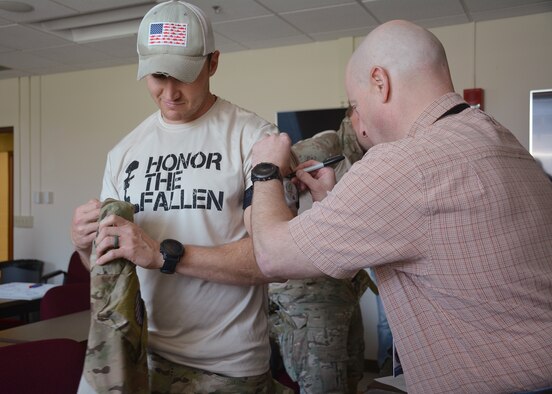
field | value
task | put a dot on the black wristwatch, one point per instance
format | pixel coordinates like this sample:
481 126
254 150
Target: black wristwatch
265 172
172 251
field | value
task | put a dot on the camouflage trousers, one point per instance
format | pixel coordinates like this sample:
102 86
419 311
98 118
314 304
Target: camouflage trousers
318 326
169 377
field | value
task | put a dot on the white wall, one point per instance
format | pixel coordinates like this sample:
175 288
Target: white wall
66 123
512 57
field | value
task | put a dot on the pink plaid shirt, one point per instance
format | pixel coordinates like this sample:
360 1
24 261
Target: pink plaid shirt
456 219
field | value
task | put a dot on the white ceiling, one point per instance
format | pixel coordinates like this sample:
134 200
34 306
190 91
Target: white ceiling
67 35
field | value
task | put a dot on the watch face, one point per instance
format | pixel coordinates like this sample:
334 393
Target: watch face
265 172
265 169
172 247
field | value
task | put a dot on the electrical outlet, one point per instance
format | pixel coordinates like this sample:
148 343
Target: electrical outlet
23 221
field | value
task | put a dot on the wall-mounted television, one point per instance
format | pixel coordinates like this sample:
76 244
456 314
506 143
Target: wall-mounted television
304 124
540 127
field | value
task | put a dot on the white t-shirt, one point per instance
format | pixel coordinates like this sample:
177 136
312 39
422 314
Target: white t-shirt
187 182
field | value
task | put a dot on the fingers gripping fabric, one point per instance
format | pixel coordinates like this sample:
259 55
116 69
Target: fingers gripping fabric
116 357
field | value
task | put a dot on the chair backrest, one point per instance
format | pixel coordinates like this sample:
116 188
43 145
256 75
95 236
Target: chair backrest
65 299
22 270
45 366
76 272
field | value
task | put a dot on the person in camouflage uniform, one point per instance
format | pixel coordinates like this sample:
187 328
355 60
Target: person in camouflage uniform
317 323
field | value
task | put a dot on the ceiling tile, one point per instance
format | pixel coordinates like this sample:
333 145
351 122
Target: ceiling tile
4 22
4 74
22 37
329 19
224 44
72 54
231 9
443 21
118 48
488 5
43 9
520 10
25 60
264 28
294 5
6 49
386 10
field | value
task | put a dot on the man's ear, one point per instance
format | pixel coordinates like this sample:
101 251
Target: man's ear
213 63
380 81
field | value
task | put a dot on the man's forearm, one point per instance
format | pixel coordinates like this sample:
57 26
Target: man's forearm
276 253
232 263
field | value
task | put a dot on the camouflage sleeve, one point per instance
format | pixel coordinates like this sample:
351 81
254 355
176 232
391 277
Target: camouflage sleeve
116 357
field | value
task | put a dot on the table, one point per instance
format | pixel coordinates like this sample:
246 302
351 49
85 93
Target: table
9 308
21 299
73 326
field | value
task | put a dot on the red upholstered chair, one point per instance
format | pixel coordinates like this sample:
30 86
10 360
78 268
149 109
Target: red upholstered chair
50 366
65 299
76 272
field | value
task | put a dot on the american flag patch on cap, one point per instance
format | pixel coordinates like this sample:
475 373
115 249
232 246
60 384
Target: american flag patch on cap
167 33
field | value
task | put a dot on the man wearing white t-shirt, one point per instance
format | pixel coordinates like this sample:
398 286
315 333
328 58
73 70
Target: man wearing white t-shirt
185 169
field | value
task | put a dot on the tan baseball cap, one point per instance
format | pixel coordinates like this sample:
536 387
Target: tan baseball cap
174 38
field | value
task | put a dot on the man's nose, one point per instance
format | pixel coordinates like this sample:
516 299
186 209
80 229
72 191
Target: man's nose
172 88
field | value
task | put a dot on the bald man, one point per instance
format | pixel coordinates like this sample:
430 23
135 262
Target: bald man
451 212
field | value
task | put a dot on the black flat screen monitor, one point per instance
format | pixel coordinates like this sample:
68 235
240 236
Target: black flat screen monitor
304 124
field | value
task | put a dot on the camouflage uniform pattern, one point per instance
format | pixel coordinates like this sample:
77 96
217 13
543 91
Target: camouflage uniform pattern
317 323
348 141
116 356
168 377
318 326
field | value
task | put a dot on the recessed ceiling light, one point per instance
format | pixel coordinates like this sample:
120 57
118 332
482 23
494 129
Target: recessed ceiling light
15 6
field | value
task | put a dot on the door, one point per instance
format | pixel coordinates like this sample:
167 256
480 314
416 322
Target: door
6 193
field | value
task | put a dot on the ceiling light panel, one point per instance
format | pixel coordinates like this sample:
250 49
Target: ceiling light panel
97 18
96 5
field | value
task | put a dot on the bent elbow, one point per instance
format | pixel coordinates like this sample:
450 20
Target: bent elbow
266 263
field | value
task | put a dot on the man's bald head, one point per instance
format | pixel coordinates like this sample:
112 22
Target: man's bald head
397 71
402 48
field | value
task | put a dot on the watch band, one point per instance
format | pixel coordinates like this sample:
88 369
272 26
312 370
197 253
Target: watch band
169 265
172 251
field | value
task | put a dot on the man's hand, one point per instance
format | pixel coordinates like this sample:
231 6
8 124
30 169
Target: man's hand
85 226
318 182
118 238
275 149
